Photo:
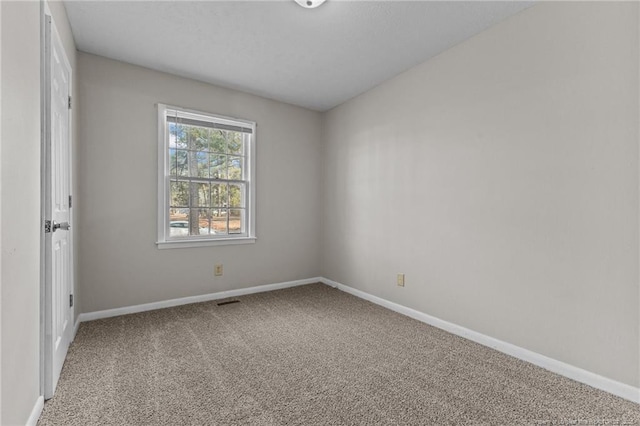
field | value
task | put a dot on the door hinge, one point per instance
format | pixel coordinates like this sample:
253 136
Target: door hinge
69 102
69 201
47 226
71 300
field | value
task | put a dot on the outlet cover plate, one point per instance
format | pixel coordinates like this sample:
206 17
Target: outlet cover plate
218 270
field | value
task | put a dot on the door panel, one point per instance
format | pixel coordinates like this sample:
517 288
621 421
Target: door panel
58 242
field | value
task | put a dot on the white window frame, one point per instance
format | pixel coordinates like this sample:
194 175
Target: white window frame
164 240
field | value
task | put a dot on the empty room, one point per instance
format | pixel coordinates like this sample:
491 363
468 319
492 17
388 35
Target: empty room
319 212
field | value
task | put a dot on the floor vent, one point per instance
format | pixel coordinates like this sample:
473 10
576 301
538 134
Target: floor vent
228 302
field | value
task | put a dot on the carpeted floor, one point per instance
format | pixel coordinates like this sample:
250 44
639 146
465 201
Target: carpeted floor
307 355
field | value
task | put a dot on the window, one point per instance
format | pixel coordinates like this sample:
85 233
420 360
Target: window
206 186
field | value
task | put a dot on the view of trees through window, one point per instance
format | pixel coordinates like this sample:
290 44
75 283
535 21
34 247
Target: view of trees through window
207 179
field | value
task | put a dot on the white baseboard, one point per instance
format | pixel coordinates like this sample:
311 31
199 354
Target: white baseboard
90 316
35 413
578 374
75 328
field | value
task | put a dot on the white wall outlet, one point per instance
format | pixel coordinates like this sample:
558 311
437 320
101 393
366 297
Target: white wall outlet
218 271
400 280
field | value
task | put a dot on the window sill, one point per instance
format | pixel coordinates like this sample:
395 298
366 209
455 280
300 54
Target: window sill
174 244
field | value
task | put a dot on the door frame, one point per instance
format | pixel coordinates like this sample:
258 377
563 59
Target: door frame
47 29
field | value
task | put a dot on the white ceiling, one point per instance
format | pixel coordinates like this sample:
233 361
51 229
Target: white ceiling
315 58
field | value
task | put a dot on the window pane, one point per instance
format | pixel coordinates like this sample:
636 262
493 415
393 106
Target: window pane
173 163
235 168
236 221
208 141
178 222
178 165
197 138
202 164
218 141
219 221
179 194
219 195
236 198
218 166
234 144
180 214
204 220
193 221
200 195
177 136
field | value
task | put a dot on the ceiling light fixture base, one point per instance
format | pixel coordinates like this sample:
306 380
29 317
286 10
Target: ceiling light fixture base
310 4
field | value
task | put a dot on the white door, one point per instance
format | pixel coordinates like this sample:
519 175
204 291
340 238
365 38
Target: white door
57 190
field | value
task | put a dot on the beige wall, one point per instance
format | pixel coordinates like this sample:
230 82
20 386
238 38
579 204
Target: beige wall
502 178
20 216
119 264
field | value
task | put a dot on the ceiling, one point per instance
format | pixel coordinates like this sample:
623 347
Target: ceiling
314 58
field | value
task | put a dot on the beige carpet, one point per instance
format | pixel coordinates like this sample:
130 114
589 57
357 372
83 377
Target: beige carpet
308 355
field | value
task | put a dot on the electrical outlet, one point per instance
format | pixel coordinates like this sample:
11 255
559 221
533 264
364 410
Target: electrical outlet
400 280
218 271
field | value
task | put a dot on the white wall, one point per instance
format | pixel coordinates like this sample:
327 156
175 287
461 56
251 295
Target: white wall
20 216
119 264
502 178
